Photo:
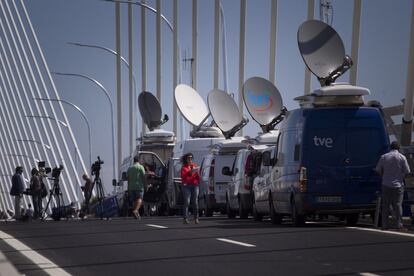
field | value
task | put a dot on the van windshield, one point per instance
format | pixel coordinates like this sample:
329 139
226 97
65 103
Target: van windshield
338 137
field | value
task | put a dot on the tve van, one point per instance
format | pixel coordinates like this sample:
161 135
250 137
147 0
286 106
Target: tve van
325 159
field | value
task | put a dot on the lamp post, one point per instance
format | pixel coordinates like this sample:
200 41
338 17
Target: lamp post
46 117
34 141
110 105
84 117
22 155
113 52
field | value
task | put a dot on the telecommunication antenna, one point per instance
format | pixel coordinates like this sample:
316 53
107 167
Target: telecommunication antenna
264 102
326 11
185 61
195 111
225 112
150 109
322 51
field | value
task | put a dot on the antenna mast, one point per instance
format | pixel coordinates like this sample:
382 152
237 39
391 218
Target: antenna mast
326 11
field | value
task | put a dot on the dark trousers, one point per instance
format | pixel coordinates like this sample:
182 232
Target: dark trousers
37 205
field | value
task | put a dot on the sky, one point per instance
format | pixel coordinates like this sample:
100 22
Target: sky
382 65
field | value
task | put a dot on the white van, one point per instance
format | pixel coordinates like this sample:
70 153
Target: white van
262 184
213 184
199 147
239 189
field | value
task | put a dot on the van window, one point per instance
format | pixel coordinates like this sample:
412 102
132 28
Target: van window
296 155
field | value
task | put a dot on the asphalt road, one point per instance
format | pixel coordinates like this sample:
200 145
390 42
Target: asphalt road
125 246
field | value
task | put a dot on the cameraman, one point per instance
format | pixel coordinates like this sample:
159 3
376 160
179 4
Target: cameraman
36 192
87 192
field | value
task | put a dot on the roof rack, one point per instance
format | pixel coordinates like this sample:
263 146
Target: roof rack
336 94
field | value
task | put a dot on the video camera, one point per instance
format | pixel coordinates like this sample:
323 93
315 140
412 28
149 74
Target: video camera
43 170
96 166
56 172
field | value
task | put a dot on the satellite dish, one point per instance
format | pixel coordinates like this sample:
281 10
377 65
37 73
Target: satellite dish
263 101
323 51
150 110
191 105
225 112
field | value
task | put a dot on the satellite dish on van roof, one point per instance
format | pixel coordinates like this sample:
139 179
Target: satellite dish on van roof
191 105
323 51
225 112
264 102
150 109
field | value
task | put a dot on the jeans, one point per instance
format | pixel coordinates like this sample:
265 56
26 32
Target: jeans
392 197
37 205
190 192
17 206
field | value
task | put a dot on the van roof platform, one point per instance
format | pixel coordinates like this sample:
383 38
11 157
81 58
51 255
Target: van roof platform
336 94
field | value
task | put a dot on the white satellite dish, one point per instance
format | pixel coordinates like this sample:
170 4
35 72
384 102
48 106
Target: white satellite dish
323 51
191 105
225 112
264 102
195 111
150 109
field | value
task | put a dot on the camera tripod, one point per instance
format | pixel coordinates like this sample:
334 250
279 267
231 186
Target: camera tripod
57 195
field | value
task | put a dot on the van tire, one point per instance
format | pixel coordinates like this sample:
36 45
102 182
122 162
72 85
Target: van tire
230 213
352 219
256 215
297 220
243 213
275 217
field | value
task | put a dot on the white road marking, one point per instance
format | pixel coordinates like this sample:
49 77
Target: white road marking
157 226
236 242
368 274
42 262
382 231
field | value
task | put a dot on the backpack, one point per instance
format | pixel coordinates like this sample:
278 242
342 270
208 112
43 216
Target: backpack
43 190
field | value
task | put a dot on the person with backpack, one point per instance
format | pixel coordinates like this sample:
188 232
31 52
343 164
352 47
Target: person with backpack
36 193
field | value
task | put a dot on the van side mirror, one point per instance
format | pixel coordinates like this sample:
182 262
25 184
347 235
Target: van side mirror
124 176
226 171
267 161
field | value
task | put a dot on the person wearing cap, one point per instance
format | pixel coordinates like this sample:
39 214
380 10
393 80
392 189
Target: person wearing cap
393 167
17 190
190 179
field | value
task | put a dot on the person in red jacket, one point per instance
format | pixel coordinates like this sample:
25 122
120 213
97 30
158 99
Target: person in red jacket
190 179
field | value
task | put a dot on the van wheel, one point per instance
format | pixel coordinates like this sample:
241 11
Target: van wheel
297 220
243 213
352 219
229 211
275 217
256 215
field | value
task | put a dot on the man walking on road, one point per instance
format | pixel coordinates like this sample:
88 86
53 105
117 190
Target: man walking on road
137 184
393 167
17 191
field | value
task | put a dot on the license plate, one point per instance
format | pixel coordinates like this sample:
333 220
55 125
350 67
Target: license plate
329 199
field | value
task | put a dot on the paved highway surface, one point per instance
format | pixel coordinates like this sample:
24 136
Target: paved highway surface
216 246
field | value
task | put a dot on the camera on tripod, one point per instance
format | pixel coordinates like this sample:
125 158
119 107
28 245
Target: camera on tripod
43 170
96 166
56 172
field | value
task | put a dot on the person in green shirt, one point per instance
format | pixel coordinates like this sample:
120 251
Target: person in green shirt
137 184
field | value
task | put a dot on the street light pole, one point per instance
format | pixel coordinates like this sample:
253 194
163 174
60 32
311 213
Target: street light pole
33 141
110 105
83 115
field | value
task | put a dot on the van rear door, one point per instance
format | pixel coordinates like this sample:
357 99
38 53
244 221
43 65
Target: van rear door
341 147
220 180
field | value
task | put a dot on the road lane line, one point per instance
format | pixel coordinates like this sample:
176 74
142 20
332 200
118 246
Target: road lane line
42 262
237 242
383 231
157 226
368 274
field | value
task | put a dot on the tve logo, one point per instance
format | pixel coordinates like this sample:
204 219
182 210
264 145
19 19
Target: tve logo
322 141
